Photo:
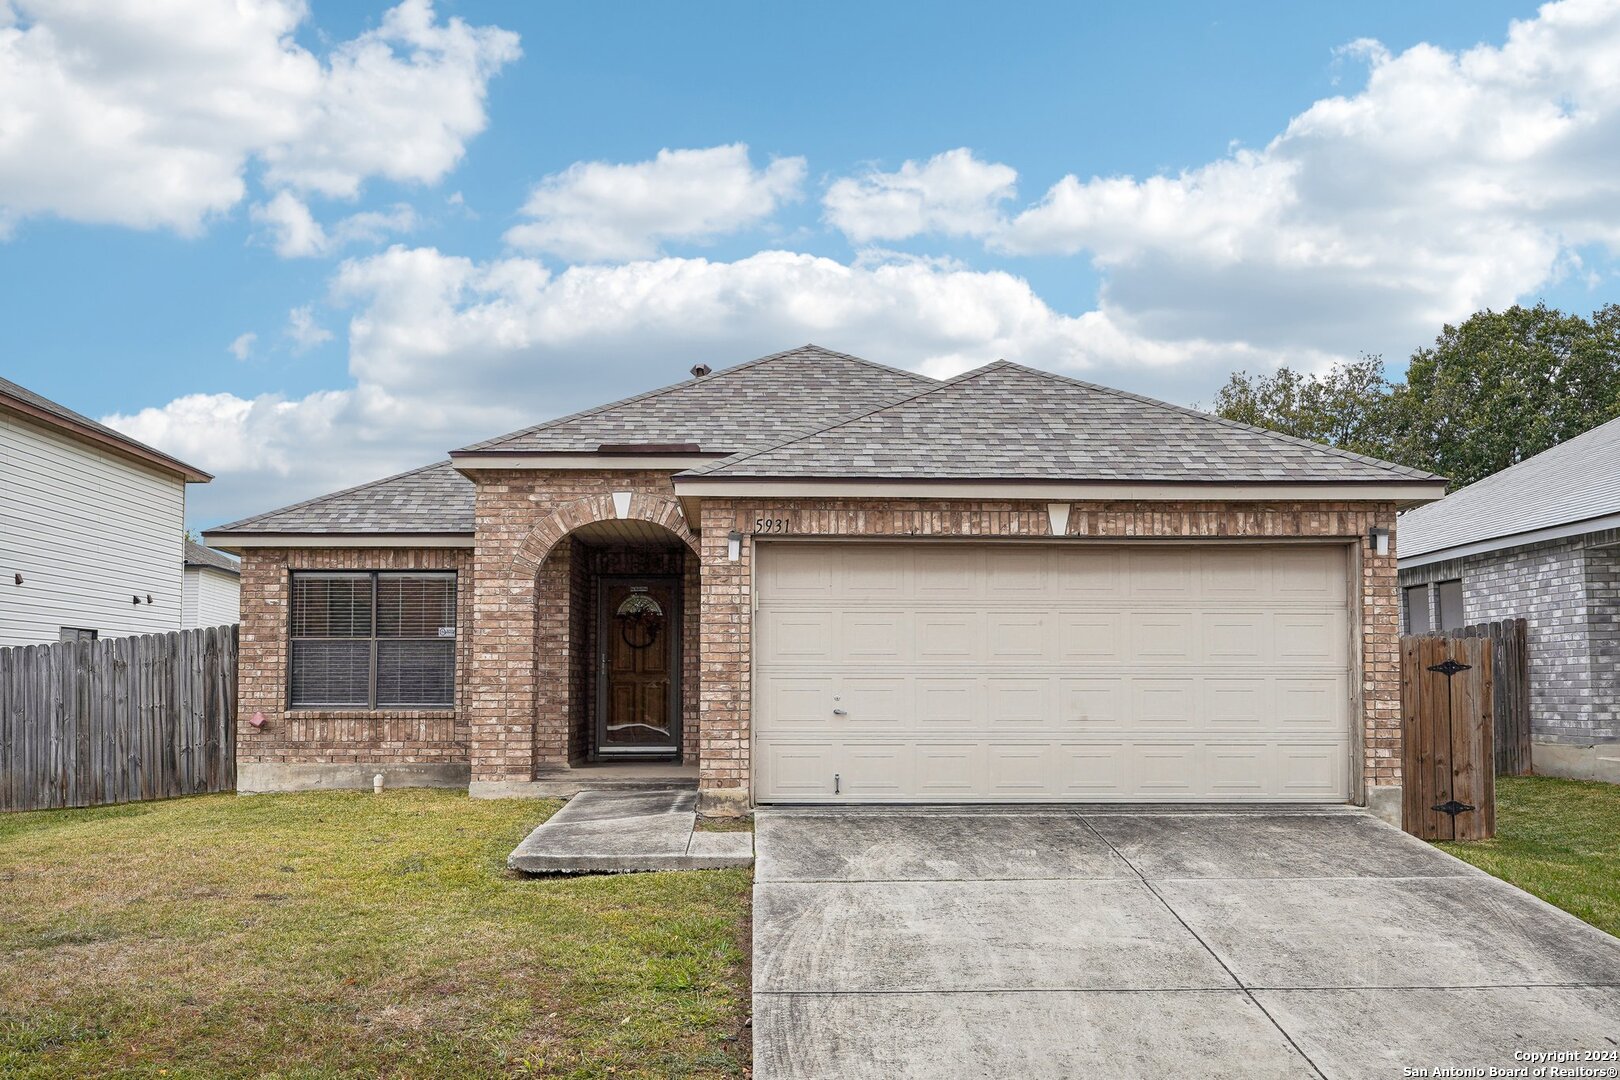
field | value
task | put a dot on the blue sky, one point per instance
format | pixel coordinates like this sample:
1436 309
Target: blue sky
420 307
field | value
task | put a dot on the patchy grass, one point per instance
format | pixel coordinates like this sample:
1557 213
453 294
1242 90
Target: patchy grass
1559 839
725 824
337 935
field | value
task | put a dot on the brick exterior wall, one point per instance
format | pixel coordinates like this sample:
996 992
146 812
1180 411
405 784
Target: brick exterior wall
728 602
527 609
522 698
1568 590
339 736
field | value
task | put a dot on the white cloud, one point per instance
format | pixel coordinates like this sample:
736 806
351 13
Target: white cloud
242 347
149 114
444 350
1450 182
953 193
600 211
303 329
294 233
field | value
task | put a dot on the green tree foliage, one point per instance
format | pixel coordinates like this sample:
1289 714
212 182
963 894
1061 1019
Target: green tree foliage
1490 392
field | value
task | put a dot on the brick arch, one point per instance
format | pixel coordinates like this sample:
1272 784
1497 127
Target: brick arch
543 536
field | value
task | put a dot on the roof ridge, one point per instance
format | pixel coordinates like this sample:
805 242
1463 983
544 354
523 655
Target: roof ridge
1331 451
939 384
329 495
670 388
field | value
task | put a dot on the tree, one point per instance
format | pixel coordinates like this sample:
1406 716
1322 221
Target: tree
1504 386
1492 391
1348 407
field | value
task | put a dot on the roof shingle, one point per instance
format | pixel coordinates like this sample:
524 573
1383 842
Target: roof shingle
1005 422
1574 481
746 406
198 555
433 499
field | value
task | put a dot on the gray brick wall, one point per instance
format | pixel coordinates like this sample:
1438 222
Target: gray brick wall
1568 590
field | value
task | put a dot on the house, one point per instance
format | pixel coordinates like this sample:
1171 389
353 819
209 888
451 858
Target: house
210 594
91 526
1536 541
814 578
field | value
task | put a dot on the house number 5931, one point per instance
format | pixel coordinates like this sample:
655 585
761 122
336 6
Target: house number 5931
770 525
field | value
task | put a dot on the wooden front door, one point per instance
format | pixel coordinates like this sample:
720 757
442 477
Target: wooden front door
638 641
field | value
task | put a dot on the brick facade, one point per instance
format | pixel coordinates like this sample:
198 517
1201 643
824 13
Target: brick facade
1568 590
339 736
728 600
527 610
523 694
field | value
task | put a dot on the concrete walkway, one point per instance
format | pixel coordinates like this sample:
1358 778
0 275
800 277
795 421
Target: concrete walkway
615 832
1052 943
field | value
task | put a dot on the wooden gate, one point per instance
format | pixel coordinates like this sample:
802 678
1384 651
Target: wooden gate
1447 724
1510 693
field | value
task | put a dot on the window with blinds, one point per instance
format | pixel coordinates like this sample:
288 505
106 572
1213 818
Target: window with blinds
367 640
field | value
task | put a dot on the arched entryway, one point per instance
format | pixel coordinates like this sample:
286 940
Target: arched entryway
616 637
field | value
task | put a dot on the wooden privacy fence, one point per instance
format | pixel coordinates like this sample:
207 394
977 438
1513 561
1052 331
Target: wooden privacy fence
1449 774
85 723
1510 690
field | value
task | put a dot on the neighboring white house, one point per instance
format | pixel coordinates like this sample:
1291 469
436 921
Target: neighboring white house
92 527
211 592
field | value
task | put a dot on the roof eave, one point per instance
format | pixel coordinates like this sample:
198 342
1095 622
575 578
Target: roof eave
238 542
128 448
471 460
1403 492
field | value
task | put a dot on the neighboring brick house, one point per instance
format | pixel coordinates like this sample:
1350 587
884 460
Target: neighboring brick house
812 578
1538 541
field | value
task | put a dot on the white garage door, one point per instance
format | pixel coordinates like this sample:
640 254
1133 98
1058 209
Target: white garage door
951 672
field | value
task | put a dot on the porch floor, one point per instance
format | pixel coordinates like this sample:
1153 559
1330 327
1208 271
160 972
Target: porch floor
615 832
566 781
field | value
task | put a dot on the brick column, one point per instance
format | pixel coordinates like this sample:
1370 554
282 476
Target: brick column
726 634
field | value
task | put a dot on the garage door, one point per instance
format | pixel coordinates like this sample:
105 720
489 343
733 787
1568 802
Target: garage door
1004 673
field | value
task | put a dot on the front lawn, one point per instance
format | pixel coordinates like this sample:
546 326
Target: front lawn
1559 839
353 935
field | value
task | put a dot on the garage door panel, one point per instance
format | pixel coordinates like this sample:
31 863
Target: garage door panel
1092 637
1308 638
1238 703
949 701
950 636
795 634
1092 703
1018 771
1020 636
1013 701
873 636
949 770
1038 672
874 701
1163 638
952 576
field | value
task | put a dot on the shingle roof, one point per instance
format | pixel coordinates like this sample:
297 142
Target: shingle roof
742 407
1574 481
197 555
432 499
63 418
1005 421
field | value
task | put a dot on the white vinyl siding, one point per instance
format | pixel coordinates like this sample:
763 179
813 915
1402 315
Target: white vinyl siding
87 530
212 598
952 672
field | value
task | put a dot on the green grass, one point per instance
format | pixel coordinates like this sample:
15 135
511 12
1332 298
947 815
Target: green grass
1559 839
331 934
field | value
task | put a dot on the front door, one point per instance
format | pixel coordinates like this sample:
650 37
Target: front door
638 639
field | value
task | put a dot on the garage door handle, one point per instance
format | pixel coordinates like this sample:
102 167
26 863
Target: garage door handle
840 712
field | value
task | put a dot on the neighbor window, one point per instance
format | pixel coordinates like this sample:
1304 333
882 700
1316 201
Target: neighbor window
1451 604
1417 609
75 633
373 640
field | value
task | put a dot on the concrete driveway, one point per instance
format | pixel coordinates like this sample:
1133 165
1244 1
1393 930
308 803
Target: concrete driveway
1053 943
